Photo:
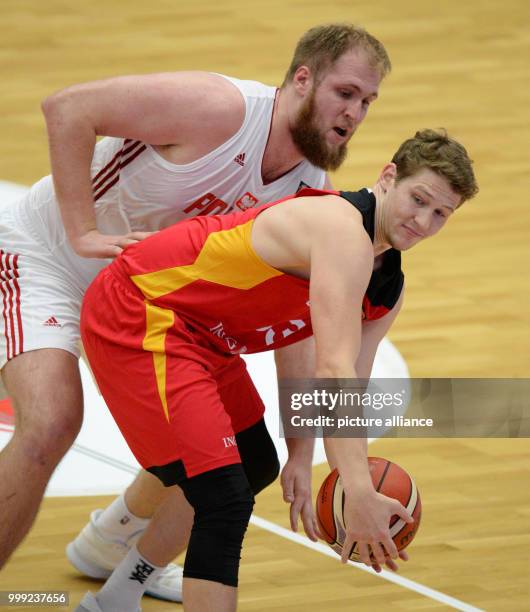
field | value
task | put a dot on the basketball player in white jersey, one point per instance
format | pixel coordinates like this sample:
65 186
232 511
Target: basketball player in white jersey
177 145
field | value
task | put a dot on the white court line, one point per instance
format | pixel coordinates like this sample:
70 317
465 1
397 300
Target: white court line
385 574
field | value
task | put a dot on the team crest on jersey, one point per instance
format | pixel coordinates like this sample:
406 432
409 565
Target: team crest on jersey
247 201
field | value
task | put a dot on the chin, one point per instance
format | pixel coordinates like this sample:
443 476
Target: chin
400 244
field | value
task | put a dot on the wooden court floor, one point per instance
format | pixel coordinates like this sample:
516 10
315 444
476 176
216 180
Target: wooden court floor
463 66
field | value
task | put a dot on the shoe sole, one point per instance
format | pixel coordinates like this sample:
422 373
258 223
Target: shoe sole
84 566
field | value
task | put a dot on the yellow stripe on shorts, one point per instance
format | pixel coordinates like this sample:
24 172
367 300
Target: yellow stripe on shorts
158 321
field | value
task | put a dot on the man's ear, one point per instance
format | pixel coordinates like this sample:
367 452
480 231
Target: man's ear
303 80
387 176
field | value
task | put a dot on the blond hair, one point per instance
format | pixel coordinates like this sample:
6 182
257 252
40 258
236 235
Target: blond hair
321 46
435 150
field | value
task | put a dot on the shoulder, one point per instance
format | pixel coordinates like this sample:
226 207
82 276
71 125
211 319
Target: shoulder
330 209
203 104
210 91
328 220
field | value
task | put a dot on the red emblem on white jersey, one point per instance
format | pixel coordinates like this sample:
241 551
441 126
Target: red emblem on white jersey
246 201
52 322
240 159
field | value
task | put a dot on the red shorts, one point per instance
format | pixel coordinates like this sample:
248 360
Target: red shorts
174 398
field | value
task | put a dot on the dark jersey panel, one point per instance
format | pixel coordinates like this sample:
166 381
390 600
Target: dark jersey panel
386 282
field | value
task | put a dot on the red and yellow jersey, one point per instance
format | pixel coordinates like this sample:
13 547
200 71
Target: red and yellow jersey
207 272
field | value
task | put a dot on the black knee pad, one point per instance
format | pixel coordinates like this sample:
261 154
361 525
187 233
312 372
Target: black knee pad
258 455
223 502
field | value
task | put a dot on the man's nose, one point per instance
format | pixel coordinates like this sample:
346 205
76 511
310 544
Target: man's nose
355 112
423 220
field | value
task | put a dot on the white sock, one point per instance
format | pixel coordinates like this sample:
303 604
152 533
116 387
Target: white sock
124 589
117 522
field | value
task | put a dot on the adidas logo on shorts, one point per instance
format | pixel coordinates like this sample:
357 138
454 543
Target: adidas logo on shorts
52 322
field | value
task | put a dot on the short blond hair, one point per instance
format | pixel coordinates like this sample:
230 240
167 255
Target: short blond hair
321 46
437 151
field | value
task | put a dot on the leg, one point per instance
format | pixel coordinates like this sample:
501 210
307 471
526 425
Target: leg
106 539
173 395
169 531
246 409
145 495
258 456
223 501
45 388
209 596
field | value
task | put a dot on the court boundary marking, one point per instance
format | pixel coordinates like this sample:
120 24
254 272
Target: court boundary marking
282 532
385 574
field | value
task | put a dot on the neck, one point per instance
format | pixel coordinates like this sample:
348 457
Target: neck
281 154
381 243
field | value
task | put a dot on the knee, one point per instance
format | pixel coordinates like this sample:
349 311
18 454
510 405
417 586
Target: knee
223 503
258 455
262 470
47 429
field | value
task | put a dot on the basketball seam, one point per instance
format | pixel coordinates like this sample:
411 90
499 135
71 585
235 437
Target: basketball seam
383 475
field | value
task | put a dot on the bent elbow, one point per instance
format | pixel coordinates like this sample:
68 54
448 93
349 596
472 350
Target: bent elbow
54 104
49 104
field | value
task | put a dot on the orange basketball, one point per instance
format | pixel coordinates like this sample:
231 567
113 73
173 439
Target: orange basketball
390 480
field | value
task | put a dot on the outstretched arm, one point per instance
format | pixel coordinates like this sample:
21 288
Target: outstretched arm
341 265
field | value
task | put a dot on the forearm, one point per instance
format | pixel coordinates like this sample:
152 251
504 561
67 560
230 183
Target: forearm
71 143
339 363
350 457
300 449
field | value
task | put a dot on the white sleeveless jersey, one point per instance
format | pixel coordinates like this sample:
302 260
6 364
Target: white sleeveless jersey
136 189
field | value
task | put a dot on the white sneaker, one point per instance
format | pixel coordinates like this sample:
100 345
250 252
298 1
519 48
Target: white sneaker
96 556
89 603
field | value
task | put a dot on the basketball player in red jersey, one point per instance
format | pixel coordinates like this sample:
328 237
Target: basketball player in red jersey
173 313
176 146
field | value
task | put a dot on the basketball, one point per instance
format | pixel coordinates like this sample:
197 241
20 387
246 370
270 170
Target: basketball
390 480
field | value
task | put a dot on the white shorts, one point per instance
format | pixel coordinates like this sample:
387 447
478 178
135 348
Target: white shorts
40 295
